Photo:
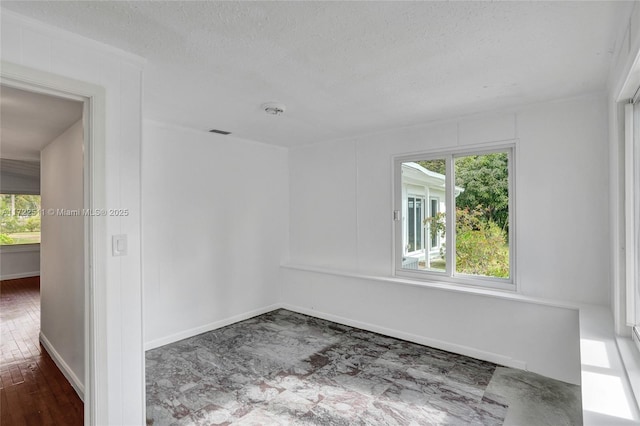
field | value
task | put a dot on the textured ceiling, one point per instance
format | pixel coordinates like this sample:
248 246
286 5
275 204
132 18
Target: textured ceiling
29 121
347 68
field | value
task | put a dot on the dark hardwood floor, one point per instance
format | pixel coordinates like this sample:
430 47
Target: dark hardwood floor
33 390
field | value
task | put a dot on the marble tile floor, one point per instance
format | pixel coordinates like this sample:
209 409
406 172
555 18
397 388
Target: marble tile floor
284 368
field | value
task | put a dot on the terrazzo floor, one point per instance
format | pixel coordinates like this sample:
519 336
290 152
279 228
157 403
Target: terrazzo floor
284 368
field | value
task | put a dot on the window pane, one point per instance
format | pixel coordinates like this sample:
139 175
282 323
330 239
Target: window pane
423 238
20 222
482 215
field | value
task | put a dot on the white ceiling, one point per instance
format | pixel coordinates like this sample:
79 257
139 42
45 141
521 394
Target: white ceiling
347 68
29 121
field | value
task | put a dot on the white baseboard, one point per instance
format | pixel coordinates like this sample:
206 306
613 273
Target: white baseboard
63 366
156 343
20 275
434 343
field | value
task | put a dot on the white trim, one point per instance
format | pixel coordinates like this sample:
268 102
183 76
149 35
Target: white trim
185 334
142 378
397 230
513 241
95 323
19 275
421 340
461 150
629 213
63 366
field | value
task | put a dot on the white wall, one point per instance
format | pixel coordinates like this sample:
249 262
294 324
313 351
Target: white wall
562 204
19 261
344 223
118 292
62 250
215 215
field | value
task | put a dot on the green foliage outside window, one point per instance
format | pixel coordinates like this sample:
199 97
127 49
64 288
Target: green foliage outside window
482 214
20 219
6 240
485 179
481 245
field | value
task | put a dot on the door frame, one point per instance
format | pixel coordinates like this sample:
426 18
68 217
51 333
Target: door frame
95 237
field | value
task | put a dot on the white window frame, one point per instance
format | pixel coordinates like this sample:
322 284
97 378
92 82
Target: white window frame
450 276
632 216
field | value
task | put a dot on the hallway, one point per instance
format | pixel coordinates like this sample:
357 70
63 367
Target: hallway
33 390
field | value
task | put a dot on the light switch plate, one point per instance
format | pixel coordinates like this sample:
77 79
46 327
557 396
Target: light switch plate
119 245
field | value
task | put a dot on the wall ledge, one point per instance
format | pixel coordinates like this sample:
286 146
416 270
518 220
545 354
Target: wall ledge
631 362
607 395
438 285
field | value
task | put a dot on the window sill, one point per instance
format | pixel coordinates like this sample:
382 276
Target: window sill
437 285
607 378
466 281
17 248
631 362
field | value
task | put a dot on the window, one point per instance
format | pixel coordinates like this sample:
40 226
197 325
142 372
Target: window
464 233
20 219
632 217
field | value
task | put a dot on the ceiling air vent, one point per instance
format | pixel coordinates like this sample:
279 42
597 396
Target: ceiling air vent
221 132
274 108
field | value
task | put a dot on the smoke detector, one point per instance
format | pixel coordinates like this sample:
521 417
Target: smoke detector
274 108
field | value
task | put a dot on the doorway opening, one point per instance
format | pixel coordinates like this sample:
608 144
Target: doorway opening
42 250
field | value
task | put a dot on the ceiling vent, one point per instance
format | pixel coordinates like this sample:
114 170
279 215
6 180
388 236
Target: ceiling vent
220 132
274 108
